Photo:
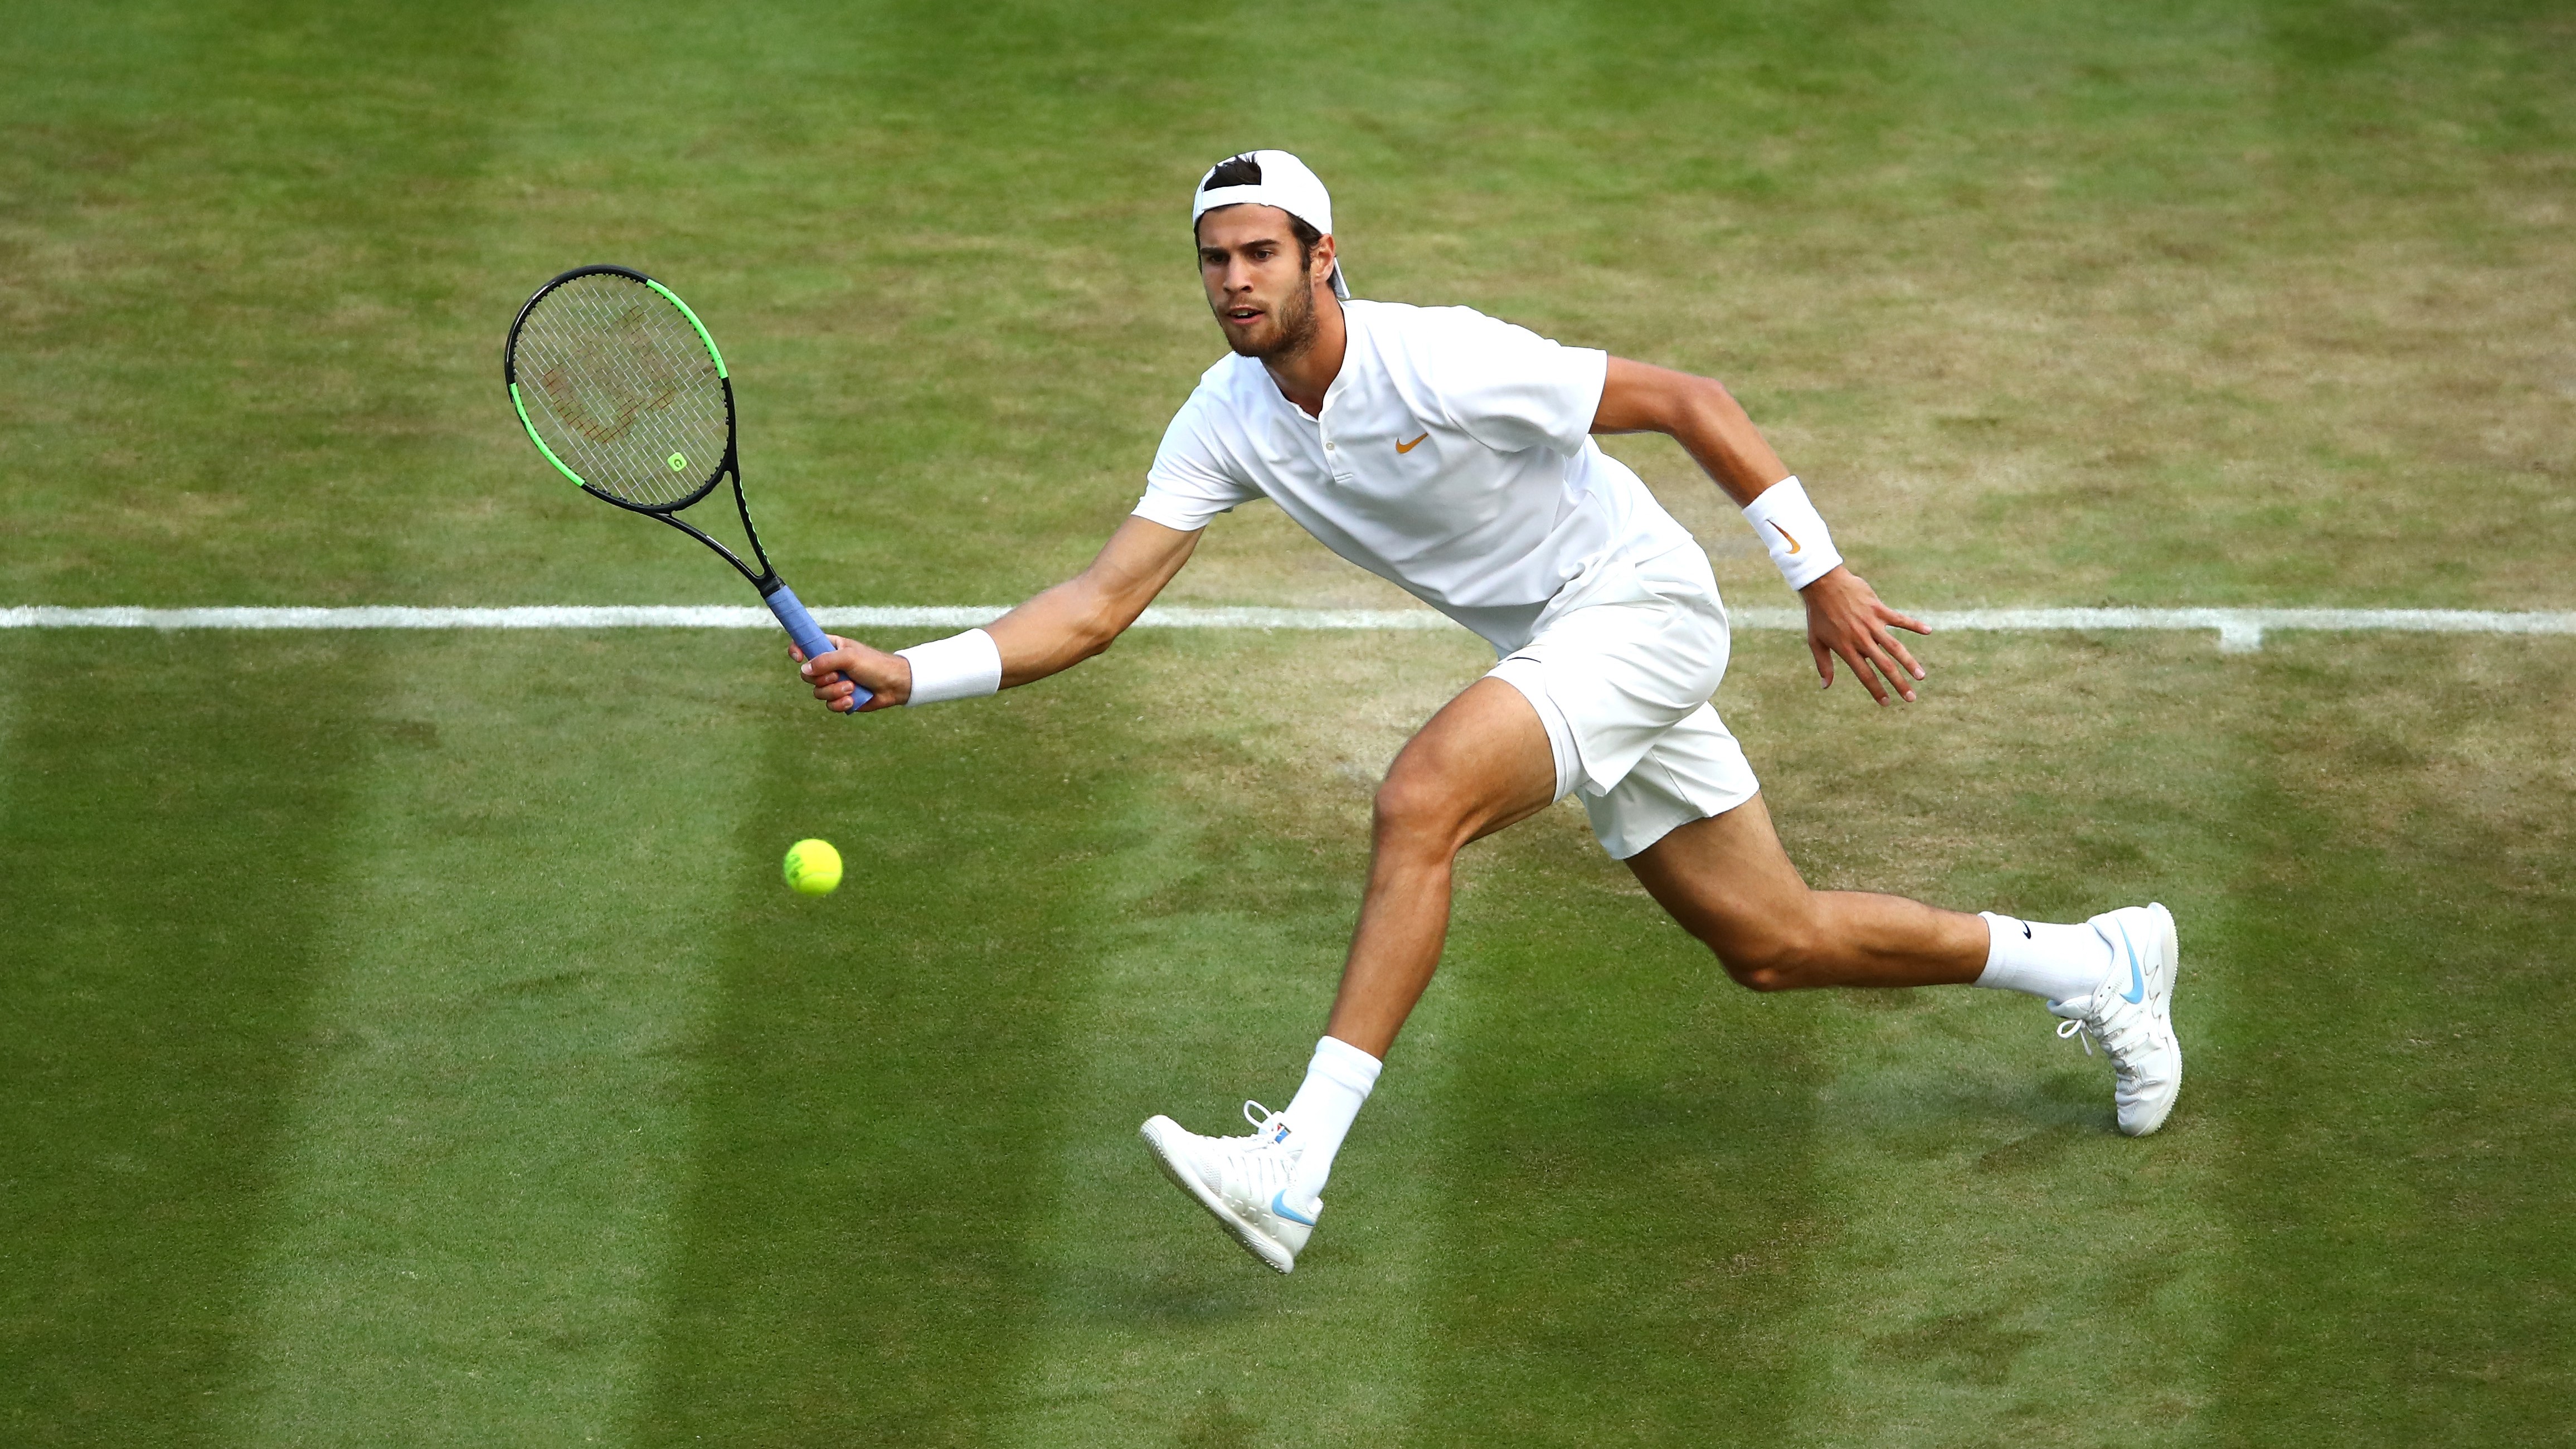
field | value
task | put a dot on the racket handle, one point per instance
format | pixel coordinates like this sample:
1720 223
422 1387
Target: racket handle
808 635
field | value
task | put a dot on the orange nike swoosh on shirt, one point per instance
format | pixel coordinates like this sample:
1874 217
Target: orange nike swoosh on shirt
1793 538
1409 447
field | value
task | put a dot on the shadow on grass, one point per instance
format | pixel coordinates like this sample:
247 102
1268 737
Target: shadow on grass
2398 1073
873 1109
166 843
1627 1186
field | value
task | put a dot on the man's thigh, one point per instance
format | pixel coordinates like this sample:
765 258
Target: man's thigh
1482 763
1725 878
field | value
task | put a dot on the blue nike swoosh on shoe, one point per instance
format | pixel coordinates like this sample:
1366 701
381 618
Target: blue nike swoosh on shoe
1279 1205
2137 991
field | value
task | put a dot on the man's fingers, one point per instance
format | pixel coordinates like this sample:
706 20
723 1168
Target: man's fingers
824 666
1871 662
842 697
1887 615
836 674
1846 620
1888 668
1890 644
798 654
838 659
1853 656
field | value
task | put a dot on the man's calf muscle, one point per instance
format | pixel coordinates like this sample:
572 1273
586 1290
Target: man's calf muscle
1727 882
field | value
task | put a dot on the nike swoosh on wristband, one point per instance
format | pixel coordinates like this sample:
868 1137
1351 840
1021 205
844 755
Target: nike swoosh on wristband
1279 1199
1784 533
2137 991
1409 447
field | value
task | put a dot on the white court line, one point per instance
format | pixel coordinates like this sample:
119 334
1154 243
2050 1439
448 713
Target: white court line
2239 630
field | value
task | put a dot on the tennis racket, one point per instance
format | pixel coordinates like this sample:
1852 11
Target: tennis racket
627 396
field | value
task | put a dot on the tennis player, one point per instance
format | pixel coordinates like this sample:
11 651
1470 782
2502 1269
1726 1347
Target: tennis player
1453 455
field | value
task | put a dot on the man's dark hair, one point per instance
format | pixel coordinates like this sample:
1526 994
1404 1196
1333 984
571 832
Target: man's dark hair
1242 170
1245 170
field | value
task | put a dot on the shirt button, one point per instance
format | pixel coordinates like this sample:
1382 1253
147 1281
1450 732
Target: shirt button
1328 447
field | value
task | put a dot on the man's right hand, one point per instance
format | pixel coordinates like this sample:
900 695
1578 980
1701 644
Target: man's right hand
886 676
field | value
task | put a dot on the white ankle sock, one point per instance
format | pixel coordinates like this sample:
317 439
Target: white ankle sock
1337 1081
2053 963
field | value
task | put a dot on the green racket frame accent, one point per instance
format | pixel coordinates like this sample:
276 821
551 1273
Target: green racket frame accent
674 299
782 601
578 480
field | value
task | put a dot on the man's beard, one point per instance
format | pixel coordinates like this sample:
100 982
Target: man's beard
1296 318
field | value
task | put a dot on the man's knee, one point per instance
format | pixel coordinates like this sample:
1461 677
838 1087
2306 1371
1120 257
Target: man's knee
1415 808
1777 956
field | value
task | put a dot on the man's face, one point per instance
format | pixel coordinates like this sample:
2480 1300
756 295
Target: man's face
1259 285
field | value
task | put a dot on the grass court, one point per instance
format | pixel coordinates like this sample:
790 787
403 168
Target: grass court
409 1039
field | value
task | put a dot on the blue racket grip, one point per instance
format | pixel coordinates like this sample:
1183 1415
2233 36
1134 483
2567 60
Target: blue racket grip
808 635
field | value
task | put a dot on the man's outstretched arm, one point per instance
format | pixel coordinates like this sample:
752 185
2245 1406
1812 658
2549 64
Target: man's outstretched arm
1844 615
1053 632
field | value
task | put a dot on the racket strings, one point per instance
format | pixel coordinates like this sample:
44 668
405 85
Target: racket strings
622 392
618 363
623 389
629 377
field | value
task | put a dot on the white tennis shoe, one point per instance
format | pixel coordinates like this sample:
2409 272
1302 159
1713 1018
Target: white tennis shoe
2131 1015
1241 1181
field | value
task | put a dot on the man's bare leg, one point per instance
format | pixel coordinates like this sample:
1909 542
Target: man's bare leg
1728 882
1482 763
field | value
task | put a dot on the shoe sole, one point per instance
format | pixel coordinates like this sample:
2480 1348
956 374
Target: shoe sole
1254 1241
2160 992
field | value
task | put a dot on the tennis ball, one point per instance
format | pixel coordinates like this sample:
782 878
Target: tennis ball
813 868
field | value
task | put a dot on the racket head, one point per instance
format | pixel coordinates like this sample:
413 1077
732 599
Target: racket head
622 389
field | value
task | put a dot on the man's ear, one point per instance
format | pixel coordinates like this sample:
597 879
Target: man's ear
1323 263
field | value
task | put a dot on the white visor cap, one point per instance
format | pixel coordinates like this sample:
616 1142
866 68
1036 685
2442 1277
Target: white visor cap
1286 183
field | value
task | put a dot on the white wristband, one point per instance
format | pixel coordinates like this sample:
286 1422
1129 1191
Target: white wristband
961 666
1794 532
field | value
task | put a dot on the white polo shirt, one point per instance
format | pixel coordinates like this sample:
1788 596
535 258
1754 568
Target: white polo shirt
1453 457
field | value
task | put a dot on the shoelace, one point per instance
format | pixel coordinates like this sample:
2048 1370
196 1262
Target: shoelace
1268 1127
2116 1037
1251 1174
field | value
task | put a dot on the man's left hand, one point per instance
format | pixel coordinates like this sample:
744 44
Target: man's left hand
1845 619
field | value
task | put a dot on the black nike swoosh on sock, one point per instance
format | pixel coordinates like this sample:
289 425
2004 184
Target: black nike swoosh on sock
2025 930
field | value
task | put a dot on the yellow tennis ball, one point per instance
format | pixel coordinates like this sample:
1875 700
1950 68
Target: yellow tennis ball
813 868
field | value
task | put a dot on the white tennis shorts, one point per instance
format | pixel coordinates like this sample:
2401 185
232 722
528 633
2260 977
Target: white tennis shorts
1620 670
